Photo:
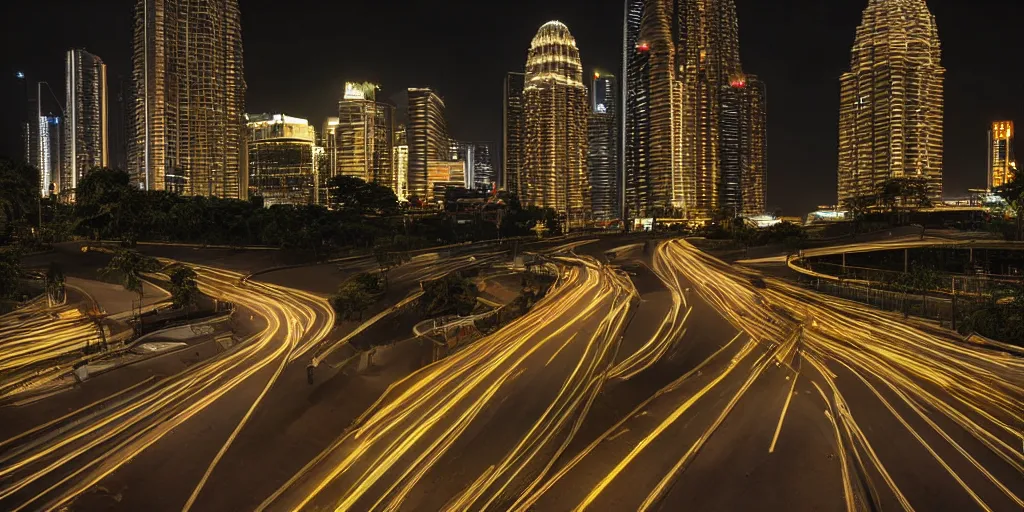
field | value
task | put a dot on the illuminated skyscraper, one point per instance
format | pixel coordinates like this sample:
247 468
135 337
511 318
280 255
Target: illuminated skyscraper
742 146
603 144
1001 165
636 122
365 135
327 166
50 158
85 139
891 101
479 165
554 167
401 161
512 130
188 111
282 163
681 57
484 172
45 150
428 138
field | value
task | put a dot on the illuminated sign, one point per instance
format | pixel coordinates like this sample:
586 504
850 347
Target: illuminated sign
738 83
601 109
643 47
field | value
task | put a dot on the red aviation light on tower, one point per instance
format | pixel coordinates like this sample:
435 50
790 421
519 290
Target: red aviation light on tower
643 47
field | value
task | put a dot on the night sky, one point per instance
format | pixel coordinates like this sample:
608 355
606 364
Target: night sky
298 53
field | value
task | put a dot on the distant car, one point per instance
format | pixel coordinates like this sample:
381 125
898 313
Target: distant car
758 283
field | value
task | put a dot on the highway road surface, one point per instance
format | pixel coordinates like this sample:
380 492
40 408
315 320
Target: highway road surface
684 383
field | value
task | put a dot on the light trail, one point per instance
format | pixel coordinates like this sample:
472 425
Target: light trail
980 389
954 389
51 469
413 428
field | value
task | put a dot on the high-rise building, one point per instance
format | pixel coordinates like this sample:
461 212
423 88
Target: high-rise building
365 135
484 173
743 147
681 57
428 139
86 141
1001 165
636 116
188 112
401 162
50 157
554 166
327 167
282 160
44 147
479 165
512 132
891 101
603 152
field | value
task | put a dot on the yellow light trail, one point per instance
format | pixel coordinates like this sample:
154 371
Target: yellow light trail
123 433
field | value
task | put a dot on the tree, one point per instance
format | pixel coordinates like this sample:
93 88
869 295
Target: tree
1013 194
19 196
101 199
452 294
55 280
899 194
10 273
355 195
858 206
129 265
184 289
355 296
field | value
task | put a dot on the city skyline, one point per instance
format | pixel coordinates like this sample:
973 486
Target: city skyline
802 135
541 255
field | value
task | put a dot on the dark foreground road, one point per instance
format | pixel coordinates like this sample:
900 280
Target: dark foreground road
654 379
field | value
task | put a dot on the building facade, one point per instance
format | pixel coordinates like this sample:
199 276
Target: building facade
188 112
85 129
554 166
603 147
681 60
364 135
50 155
743 147
427 135
480 171
1001 164
636 122
401 162
891 101
327 166
44 148
512 132
282 159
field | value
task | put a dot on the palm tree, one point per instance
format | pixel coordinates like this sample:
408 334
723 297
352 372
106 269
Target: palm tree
129 265
858 206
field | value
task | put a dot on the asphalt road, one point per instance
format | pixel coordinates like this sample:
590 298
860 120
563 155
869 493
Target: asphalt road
832 406
658 379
